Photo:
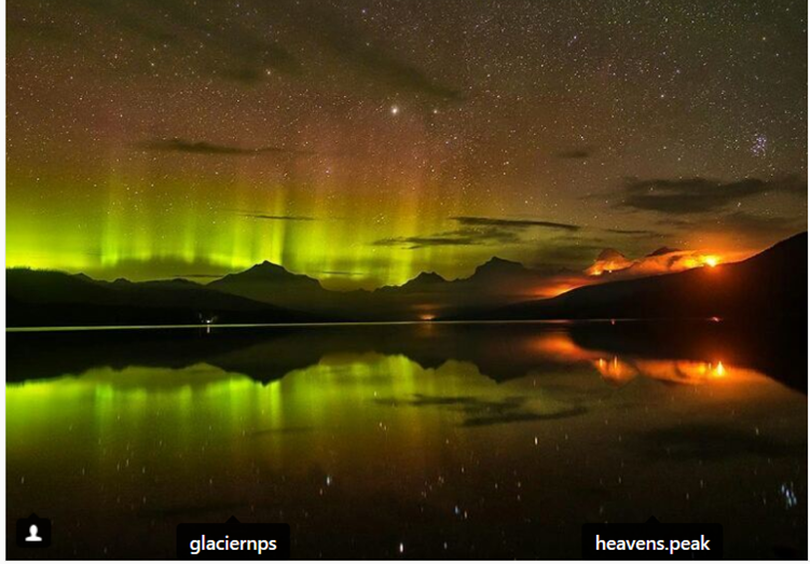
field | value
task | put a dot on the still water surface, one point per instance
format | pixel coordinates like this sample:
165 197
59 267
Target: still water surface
427 440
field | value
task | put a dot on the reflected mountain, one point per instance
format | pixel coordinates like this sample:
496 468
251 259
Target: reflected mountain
677 352
123 434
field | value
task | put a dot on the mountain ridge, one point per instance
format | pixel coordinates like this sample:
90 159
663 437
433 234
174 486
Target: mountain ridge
770 283
497 289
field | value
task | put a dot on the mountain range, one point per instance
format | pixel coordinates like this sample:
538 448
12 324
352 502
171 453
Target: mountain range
770 284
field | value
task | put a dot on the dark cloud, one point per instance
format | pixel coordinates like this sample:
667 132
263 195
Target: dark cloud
646 232
239 50
698 195
513 223
245 55
279 217
204 148
475 231
576 154
457 238
366 55
248 50
679 223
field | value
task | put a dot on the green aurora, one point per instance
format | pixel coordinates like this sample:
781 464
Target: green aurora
362 143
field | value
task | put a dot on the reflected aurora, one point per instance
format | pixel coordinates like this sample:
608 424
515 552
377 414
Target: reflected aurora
341 429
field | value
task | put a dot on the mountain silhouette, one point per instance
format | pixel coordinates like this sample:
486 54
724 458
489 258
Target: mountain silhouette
265 282
425 281
47 298
770 284
488 277
274 285
497 282
497 267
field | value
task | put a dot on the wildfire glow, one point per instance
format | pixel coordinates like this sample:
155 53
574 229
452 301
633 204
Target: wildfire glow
711 260
619 371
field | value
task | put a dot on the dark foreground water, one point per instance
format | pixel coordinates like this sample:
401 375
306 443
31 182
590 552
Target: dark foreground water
398 441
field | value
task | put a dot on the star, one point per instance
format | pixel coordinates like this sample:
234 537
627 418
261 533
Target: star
760 146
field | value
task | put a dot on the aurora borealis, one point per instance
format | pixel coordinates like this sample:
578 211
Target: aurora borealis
364 142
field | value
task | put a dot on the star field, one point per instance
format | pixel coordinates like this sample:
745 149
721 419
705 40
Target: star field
152 139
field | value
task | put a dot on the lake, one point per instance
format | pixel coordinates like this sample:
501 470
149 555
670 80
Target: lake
432 440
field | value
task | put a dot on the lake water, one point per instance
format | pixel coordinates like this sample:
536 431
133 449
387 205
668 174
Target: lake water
404 441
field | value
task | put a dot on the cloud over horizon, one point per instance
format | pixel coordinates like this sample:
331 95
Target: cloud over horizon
457 238
698 194
513 223
475 231
179 145
279 217
646 232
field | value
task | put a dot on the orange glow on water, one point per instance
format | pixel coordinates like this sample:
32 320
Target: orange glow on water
615 370
687 371
560 345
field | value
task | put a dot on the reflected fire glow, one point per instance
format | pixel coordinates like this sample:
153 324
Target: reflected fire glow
616 370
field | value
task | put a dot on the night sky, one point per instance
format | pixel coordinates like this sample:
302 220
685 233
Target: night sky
363 142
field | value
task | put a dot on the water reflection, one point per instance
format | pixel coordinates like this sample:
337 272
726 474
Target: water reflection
463 441
618 371
684 353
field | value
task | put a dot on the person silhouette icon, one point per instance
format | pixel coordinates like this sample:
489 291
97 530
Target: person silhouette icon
32 534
